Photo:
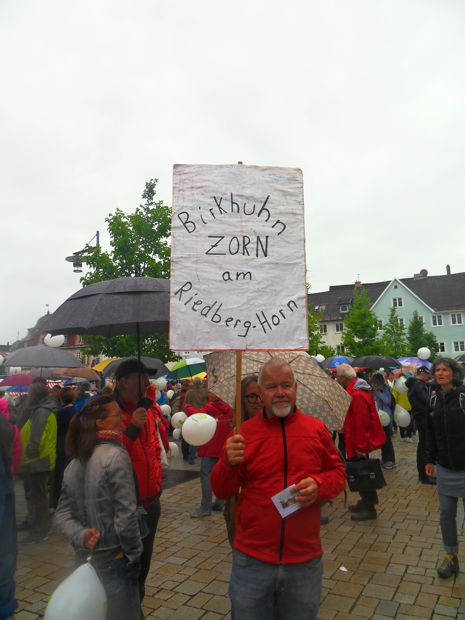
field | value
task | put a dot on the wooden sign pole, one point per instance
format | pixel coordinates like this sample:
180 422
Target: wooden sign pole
238 416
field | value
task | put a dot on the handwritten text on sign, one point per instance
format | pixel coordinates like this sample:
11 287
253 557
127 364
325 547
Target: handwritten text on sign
238 260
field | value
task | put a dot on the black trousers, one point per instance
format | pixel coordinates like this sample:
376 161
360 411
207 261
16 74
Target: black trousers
421 422
387 451
151 518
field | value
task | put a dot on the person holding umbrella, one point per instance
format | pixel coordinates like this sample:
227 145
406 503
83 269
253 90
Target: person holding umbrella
140 438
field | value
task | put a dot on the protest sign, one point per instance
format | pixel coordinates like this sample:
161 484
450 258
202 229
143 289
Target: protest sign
237 259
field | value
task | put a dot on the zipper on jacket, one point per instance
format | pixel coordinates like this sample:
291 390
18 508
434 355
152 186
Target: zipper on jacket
281 541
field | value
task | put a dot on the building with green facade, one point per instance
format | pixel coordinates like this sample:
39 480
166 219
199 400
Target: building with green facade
439 300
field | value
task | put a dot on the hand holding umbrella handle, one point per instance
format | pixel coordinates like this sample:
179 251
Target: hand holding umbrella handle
139 417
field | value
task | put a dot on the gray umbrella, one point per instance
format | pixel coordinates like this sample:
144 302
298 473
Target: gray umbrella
114 308
42 356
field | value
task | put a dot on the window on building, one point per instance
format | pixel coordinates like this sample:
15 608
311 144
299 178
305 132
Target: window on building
422 319
441 347
437 320
401 321
344 308
323 329
459 345
78 354
339 327
397 302
380 324
340 348
456 318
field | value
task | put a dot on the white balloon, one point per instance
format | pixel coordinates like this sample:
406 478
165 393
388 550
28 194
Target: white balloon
320 358
400 386
169 394
177 434
174 450
198 429
161 383
166 410
423 353
81 595
384 418
401 416
54 341
178 419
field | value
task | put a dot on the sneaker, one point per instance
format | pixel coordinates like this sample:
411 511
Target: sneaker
449 566
199 513
324 520
409 440
217 507
388 465
364 515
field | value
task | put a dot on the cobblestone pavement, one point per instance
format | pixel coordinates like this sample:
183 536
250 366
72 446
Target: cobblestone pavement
380 570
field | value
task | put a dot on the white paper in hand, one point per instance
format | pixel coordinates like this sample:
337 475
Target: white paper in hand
285 502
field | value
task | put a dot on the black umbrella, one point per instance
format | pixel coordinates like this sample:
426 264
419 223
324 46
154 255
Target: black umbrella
114 308
152 363
42 356
374 361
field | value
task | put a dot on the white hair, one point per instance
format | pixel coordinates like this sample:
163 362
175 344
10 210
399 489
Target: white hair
274 362
344 370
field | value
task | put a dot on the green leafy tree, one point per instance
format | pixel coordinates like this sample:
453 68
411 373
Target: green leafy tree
327 351
139 246
393 340
417 336
360 336
315 339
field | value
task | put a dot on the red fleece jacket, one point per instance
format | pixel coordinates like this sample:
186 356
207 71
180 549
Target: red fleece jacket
280 452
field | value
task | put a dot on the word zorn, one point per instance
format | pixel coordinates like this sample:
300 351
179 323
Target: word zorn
237 245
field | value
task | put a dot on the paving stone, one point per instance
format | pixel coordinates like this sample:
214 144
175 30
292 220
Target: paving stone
387 608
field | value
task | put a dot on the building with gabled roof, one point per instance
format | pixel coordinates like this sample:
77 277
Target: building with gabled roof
439 300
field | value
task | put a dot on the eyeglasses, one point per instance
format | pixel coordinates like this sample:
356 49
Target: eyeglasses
253 398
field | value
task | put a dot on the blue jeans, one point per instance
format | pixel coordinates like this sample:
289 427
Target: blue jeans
448 520
121 584
257 588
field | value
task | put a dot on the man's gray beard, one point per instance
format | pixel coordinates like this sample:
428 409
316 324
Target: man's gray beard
281 412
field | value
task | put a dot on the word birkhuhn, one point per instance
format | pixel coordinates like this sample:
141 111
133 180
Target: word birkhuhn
214 312
191 220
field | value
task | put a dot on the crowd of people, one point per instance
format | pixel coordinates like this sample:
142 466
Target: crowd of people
95 461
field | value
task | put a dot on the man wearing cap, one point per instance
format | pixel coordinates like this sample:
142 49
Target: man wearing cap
142 443
418 395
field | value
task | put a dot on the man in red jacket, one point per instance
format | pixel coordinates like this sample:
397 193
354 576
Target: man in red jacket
363 433
142 443
277 560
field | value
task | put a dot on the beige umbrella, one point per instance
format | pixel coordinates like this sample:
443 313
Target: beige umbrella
81 373
317 394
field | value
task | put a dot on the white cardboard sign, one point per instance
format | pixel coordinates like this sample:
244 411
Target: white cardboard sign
237 258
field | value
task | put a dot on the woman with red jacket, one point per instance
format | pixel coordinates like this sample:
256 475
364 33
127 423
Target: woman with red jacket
211 451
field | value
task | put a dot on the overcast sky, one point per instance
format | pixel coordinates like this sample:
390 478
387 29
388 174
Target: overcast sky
366 96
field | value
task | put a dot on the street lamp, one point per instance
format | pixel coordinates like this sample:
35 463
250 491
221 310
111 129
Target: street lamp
76 257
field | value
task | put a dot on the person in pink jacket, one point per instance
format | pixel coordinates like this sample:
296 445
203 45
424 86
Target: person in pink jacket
16 452
211 451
